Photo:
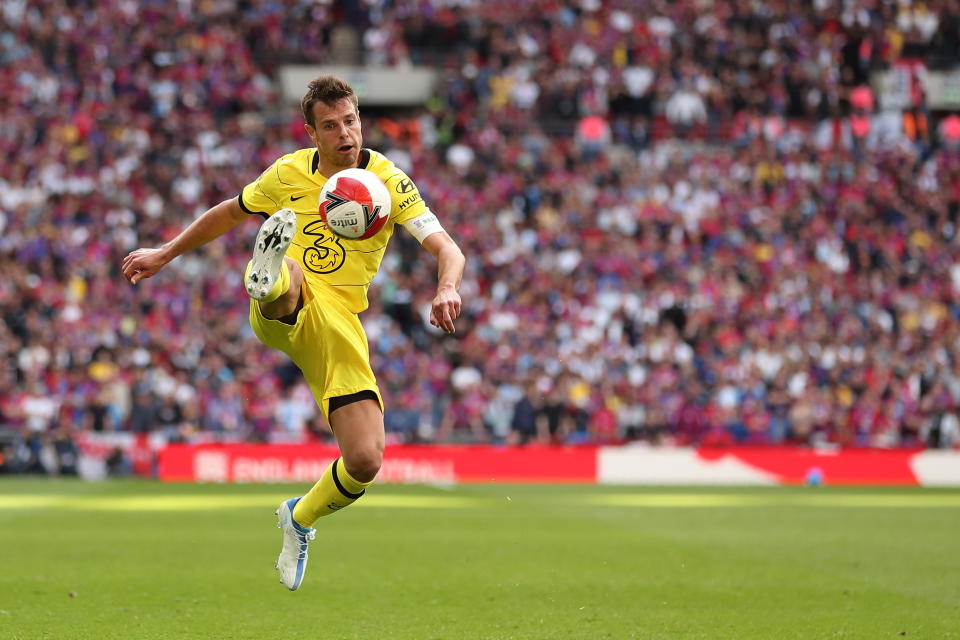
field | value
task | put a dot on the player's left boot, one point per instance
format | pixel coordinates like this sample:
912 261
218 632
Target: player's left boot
292 563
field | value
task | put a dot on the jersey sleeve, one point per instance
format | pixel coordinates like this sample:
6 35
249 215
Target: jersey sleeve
261 197
407 203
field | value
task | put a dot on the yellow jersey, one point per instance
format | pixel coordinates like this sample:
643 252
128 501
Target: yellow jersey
338 266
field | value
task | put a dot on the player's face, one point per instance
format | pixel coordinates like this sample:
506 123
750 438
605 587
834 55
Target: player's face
336 134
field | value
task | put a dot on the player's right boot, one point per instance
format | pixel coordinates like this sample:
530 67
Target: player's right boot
275 235
292 563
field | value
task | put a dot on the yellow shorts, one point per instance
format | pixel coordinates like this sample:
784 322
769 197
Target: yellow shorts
327 342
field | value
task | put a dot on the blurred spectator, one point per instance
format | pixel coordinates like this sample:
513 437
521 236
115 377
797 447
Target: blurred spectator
117 464
685 109
523 422
949 132
592 137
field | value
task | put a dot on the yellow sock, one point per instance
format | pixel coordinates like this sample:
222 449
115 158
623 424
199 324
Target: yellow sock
334 491
280 285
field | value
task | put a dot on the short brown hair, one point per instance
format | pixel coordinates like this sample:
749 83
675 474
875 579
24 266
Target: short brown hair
328 90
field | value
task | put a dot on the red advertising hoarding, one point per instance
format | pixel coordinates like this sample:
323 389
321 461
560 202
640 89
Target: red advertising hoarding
841 467
637 465
410 463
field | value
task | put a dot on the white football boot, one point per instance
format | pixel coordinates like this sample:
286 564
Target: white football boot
275 235
292 563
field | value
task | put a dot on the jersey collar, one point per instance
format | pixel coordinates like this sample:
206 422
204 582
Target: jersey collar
364 160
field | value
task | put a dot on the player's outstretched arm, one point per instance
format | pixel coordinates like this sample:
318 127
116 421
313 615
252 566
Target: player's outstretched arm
215 222
446 304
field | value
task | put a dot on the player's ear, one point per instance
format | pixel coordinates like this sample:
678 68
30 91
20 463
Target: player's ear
311 132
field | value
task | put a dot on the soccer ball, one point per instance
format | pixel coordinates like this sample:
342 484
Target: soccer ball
355 204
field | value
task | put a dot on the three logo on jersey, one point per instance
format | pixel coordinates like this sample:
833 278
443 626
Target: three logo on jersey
327 254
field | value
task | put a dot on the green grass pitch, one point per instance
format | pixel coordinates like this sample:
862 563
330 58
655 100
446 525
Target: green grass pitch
129 560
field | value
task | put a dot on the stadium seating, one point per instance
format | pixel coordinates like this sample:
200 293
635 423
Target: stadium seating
774 259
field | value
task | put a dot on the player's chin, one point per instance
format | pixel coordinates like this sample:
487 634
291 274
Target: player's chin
347 157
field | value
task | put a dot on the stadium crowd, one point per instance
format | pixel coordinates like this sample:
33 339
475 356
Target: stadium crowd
670 237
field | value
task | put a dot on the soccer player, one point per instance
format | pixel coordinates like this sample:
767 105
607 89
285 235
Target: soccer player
307 286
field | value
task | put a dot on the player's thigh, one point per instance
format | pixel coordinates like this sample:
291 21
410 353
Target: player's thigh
328 344
332 352
271 332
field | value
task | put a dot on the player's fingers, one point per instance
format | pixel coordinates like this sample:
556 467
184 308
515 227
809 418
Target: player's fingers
446 320
436 318
135 273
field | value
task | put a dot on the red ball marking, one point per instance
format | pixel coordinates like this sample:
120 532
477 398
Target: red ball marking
353 190
374 227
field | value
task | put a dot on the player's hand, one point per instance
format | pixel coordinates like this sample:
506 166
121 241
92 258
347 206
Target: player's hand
143 263
445 309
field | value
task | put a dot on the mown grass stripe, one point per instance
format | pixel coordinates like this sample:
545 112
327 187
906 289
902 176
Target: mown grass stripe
210 502
693 500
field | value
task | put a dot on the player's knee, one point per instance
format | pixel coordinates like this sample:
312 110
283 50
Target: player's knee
296 273
363 464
